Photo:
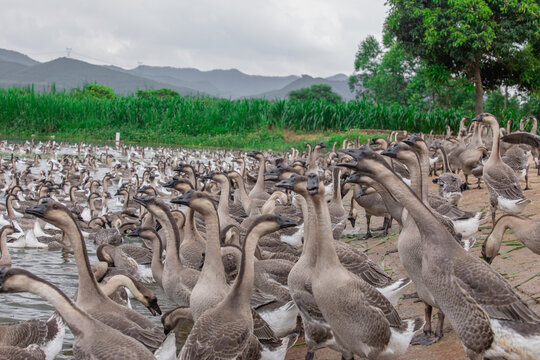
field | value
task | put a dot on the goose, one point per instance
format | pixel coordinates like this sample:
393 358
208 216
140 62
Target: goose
93 339
47 335
211 285
226 330
27 240
525 230
489 317
258 191
409 246
91 299
131 258
364 322
157 251
5 231
144 295
178 280
450 185
518 159
174 318
337 211
504 190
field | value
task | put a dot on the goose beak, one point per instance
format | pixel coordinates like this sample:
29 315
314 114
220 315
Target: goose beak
38 210
180 167
135 233
153 306
352 179
391 151
478 117
170 184
144 200
158 226
252 154
15 230
488 259
284 222
352 221
348 165
184 199
272 175
287 183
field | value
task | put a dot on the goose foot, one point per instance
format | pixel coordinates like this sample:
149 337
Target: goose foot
424 339
527 188
310 355
413 295
367 236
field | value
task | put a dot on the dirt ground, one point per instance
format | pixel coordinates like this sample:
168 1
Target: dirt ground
516 266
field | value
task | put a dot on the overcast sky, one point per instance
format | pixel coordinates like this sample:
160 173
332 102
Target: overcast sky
268 37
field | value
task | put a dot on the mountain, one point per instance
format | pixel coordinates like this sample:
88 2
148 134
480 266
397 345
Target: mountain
17 69
69 73
340 87
16 57
230 83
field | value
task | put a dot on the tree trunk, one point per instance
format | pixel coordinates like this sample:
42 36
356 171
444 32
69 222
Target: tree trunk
479 104
506 97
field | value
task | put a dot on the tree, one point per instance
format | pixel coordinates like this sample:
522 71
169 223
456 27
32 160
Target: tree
157 93
480 39
315 92
96 91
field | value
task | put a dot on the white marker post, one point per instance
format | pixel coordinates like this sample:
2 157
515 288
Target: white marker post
117 139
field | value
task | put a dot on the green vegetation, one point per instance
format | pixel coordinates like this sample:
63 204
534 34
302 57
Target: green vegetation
490 43
157 93
315 92
95 91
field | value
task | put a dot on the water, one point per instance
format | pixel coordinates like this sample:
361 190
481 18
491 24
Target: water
59 268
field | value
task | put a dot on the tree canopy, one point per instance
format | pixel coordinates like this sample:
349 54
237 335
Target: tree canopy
490 42
315 92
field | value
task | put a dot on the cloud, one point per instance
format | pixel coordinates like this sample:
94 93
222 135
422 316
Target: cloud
272 37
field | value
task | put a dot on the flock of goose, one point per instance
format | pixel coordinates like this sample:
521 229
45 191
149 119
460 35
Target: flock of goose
255 256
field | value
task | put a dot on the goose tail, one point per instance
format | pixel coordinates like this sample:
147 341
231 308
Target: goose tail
391 292
167 350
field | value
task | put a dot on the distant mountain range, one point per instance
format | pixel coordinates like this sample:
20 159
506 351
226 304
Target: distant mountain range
17 69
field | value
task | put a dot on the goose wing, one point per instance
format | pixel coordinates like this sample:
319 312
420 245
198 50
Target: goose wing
359 264
455 298
24 333
32 352
503 181
489 289
522 138
141 255
212 338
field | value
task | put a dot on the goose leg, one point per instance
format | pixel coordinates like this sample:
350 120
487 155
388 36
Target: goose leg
527 180
427 337
384 227
310 355
478 183
439 332
368 232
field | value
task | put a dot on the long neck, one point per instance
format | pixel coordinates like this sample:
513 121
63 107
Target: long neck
173 237
213 265
126 199
309 249
157 253
394 207
446 165
88 288
5 258
326 252
74 316
535 126
495 155
413 164
429 226
423 160
244 196
259 185
115 282
336 191
242 288
223 207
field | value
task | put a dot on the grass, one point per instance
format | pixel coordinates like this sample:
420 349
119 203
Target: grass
201 121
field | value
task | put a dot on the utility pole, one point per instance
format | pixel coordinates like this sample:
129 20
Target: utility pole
68 51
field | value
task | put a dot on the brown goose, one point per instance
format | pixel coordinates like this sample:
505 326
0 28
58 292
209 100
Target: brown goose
5 259
364 322
525 230
157 250
504 190
91 299
93 339
226 331
178 280
487 314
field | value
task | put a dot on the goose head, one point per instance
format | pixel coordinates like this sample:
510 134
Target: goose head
295 182
197 200
367 161
52 212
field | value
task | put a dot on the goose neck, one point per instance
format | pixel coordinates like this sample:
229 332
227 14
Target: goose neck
326 253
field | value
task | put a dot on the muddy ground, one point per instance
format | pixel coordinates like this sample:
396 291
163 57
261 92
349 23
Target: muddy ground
516 265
